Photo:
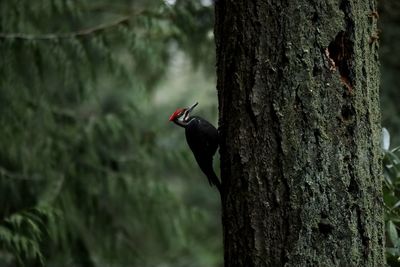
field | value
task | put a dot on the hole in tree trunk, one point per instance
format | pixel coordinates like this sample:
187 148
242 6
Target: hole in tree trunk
340 51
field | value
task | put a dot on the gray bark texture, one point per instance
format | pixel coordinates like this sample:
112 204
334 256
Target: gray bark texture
300 129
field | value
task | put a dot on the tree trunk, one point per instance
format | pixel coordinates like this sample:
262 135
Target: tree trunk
299 124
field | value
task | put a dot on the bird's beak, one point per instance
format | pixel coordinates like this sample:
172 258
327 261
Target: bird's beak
189 109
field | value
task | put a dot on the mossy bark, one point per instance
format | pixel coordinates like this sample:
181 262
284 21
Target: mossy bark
299 125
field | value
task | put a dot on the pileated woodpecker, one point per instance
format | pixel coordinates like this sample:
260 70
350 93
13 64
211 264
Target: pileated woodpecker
202 138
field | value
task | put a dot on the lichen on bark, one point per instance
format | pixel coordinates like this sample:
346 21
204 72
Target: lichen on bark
299 126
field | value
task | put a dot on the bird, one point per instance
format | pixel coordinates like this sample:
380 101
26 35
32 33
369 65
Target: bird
202 138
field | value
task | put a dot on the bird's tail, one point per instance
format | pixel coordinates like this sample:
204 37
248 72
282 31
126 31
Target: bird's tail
208 170
213 179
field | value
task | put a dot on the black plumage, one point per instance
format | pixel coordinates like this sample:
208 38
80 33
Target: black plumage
202 138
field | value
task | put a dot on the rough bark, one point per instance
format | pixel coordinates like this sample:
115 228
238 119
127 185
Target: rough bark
299 124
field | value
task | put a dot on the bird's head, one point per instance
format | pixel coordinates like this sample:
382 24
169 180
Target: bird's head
181 116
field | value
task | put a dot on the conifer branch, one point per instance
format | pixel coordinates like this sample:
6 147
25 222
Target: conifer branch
8 174
76 34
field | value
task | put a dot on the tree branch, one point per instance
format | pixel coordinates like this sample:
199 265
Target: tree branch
11 175
57 36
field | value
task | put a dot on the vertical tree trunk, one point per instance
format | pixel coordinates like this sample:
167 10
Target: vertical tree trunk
299 124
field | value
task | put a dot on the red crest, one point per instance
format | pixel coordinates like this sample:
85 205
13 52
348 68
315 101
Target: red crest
176 114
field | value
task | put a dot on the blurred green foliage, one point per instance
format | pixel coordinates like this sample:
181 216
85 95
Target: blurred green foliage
389 22
91 174
391 193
